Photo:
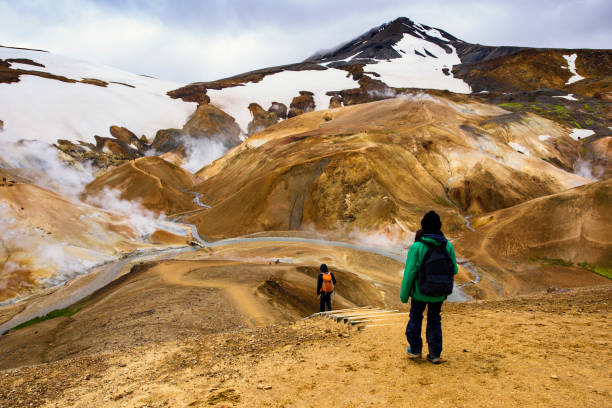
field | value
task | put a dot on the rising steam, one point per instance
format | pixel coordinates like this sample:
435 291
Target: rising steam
200 152
584 169
145 222
40 163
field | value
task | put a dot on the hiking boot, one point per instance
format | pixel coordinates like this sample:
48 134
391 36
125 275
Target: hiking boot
411 354
433 360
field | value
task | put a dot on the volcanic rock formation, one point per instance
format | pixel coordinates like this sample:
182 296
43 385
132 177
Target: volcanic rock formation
261 118
301 104
208 122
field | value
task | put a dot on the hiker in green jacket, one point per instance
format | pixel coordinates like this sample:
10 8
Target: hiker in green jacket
429 236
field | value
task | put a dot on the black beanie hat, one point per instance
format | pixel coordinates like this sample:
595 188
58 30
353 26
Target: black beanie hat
431 221
323 268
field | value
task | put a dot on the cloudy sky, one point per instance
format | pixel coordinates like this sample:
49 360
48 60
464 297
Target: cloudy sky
189 40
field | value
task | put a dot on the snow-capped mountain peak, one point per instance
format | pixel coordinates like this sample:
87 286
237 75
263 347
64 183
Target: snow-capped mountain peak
379 42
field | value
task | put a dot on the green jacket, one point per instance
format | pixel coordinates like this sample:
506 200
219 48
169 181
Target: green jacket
416 253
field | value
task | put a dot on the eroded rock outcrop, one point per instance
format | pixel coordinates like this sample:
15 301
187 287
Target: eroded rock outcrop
210 122
107 151
207 122
301 104
166 140
280 109
87 152
128 137
335 102
115 146
369 90
261 119
191 93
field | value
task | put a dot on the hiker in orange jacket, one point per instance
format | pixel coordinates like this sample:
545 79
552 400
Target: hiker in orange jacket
325 287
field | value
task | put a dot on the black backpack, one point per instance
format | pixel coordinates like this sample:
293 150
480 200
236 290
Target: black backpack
437 271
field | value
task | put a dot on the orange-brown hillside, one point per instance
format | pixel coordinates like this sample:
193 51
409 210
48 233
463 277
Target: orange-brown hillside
159 185
43 234
563 238
379 166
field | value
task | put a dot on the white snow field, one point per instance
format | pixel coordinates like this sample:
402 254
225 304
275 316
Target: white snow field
281 87
571 65
578 134
44 109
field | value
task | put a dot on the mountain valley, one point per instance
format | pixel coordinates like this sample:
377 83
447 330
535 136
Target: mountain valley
171 234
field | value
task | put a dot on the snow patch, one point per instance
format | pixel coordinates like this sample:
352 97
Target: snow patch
569 97
544 137
571 65
347 59
414 71
432 32
519 148
578 134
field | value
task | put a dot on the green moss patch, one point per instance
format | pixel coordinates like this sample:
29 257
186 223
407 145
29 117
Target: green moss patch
511 105
442 201
555 262
577 116
67 312
600 270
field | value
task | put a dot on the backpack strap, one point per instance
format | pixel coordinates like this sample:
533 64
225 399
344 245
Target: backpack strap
431 247
428 244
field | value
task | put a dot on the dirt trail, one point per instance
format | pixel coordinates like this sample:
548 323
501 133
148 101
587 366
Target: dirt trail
242 296
549 350
138 169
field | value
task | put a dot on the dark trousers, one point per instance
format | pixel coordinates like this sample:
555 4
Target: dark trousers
433 331
325 300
